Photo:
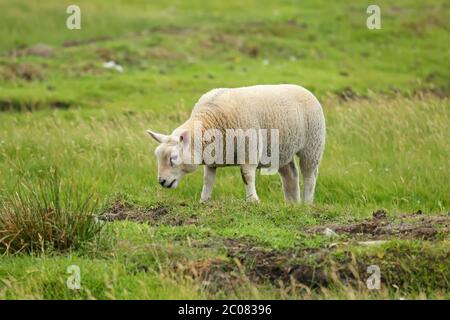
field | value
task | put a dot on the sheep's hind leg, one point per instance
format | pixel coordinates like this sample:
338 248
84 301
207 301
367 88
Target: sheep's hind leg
309 166
248 173
209 176
290 182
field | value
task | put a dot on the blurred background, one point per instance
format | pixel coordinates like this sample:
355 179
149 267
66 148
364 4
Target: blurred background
188 47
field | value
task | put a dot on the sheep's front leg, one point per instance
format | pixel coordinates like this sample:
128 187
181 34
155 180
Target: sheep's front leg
209 175
248 173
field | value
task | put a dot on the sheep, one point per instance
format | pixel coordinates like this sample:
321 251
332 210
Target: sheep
291 111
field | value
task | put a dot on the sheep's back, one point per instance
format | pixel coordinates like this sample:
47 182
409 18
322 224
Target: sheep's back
287 108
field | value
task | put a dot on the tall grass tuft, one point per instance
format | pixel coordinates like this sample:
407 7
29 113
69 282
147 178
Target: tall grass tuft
47 216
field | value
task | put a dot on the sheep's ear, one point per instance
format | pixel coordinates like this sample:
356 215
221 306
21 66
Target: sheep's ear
184 138
159 137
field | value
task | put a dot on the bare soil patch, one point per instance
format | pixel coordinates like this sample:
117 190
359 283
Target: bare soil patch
40 50
406 226
246 261
280 266
160 214
74 43
22 71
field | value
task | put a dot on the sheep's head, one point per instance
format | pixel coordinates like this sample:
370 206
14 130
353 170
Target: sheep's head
171 155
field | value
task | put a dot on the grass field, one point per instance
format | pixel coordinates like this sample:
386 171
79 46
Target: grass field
73 145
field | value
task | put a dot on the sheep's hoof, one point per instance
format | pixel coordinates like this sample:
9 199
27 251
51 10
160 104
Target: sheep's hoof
253 199
204 200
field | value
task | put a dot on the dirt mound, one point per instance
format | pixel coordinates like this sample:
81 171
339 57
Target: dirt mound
280 266
121 210
74 43
405 226
245 260
23 71
41 50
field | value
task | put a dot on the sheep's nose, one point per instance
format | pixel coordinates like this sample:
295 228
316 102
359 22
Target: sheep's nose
162 181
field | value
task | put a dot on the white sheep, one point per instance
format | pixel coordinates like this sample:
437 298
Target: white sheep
291 111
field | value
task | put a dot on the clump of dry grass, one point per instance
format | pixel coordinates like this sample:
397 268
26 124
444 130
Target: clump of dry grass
48 216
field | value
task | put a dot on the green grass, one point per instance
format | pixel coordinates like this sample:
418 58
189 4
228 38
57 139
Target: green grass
385 97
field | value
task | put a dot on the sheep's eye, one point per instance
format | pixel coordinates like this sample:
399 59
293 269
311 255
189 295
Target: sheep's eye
172 159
